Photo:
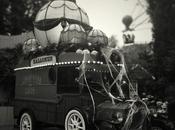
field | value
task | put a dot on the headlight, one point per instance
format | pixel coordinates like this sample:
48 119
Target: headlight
153 112
118 116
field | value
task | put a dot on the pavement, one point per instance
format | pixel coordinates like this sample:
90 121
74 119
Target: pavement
46 128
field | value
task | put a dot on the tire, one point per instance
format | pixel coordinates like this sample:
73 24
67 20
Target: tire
27 121
75 121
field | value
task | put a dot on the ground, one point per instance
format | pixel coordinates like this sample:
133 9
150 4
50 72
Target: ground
49 128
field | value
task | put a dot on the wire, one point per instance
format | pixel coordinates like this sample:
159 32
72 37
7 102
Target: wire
146 19
141 29
133 10
140 3
140 15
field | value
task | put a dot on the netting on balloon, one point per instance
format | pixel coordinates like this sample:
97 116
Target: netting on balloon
57 11
63 5
72 36
45 6
97 37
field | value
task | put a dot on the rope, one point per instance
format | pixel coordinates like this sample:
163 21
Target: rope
117 78
92 98
133 107
129 117
83 67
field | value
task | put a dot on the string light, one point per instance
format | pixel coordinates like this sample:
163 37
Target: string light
59 63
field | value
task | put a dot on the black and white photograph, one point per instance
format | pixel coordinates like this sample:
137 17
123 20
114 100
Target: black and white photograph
87 64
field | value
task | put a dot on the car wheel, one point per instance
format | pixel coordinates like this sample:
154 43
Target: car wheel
27 121
75 121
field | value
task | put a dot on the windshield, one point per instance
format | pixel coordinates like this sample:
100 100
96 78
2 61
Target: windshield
104 83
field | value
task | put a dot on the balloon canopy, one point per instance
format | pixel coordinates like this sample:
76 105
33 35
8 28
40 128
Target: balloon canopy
127 20
97 38
54 16
73 34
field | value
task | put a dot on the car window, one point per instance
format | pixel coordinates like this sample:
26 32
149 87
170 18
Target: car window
44 76
67 80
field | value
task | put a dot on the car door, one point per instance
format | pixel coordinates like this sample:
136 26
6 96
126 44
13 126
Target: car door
68 91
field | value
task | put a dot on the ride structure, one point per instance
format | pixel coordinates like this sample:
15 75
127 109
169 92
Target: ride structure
136 20
70 76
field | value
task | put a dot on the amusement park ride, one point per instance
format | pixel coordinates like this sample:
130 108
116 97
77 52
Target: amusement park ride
136 20
79 82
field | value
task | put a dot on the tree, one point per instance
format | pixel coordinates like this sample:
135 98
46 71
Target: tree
113 42
140 63
9 59
17 16
163 20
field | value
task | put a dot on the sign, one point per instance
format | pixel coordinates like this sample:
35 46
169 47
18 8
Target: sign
43 60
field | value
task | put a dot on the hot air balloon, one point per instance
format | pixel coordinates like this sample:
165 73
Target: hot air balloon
97 38
73 34
127 20
54 17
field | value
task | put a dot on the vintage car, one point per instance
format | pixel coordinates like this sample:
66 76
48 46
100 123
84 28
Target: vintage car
79 94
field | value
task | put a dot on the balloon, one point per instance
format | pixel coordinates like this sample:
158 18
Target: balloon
73 34
127 20
53 17
97 38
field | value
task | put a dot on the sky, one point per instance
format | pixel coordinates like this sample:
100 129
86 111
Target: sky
107 15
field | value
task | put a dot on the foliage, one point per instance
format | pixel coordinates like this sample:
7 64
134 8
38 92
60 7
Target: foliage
140 63
8 59
17 16
138 54
163 20
113 42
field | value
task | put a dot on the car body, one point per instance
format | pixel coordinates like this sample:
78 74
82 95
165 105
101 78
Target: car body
66 90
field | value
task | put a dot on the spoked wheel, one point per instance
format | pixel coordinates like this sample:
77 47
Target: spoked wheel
75 121
26 121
